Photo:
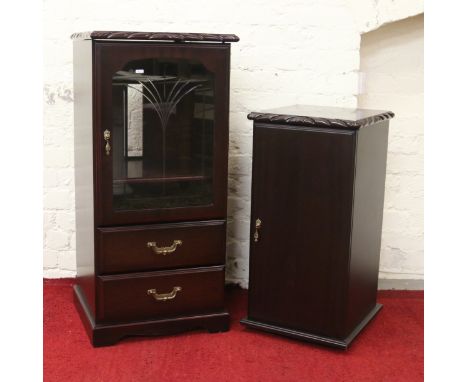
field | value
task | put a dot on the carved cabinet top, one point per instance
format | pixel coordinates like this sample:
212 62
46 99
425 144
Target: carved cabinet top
321 116
161 36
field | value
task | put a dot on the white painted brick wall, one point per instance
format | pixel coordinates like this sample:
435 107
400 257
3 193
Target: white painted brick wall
297 51
392 60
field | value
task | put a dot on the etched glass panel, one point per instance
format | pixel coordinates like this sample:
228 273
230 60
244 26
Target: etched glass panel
162 134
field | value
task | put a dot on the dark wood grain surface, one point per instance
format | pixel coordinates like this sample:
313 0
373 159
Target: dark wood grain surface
110 334
124 297
369 190
318 181
115 266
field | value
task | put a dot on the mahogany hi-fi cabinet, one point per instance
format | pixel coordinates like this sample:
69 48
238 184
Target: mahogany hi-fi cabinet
151 150
318 184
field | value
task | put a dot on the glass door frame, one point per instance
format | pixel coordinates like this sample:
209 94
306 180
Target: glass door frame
110 57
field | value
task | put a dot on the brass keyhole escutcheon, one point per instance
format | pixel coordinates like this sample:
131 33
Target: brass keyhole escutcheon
107 136
258 225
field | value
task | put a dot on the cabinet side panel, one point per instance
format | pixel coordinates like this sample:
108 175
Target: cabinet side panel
83 115
369 189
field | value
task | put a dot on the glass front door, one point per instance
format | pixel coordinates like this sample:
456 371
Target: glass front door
161 133
163 119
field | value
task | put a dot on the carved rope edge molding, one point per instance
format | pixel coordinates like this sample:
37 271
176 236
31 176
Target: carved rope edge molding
172 36
318 122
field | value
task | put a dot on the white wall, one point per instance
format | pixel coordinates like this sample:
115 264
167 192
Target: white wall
392 65
296 51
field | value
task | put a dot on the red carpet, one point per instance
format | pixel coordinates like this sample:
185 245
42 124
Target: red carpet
389 349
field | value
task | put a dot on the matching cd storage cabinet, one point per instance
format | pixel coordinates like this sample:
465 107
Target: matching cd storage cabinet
317 203
151 149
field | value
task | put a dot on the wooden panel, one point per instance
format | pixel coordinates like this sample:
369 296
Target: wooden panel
302 192
109 334
125 298
321 116
369 189
84 200
124 249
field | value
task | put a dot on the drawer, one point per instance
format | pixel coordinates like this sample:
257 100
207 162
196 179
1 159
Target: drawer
162 246
154 295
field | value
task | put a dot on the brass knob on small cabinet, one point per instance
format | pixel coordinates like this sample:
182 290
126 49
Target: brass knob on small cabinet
258 225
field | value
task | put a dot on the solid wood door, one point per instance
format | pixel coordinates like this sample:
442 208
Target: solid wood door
302 192
160 131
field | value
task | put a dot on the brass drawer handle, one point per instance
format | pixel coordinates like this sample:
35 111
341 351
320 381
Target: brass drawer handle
164 296
163 250
258 225
107 135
